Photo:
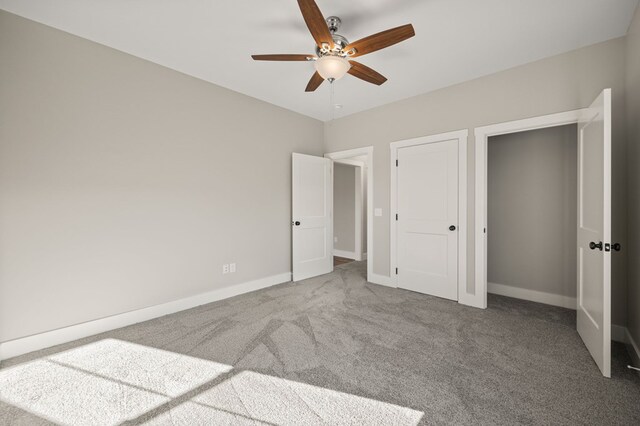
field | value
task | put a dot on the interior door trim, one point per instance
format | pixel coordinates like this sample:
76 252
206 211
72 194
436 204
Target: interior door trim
367 152
478 298
461 136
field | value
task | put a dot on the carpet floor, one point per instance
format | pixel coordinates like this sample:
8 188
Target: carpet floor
329 350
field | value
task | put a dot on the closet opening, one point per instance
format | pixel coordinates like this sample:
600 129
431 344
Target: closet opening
532 215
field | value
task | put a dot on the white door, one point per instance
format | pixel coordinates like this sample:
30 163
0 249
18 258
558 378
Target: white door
312 209
594 231
427 221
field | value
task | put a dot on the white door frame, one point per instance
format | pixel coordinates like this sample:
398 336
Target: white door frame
461 136
368 152
360 166
482 135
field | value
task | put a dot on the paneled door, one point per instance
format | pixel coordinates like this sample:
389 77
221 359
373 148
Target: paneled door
594 230
427 221
312 216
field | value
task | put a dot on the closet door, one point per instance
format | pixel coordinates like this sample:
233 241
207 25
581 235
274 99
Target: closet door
594 231
427 241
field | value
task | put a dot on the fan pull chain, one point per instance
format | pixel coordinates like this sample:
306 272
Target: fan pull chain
332 107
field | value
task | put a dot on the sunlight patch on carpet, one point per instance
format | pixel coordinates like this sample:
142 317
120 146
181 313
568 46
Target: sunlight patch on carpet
106 382
112 381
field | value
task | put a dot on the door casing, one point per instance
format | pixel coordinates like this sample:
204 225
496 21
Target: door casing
368 153
482 134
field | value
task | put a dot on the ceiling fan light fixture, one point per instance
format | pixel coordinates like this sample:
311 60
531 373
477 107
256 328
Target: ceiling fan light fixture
334 52
332 67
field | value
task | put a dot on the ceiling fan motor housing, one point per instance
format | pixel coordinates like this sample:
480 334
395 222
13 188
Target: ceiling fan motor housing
333 22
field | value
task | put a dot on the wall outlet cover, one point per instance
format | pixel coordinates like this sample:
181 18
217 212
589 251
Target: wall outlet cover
377 212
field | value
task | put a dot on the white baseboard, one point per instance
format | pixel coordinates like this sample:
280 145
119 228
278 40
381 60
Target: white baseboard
380 280
345 254
532 295
47 339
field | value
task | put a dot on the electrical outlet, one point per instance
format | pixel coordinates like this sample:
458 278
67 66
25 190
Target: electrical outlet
232 267
225 268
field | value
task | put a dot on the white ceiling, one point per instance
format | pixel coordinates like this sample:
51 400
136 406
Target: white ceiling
456 40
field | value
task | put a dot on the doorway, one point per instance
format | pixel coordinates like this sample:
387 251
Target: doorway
593 218
349 213
532 215
353 213
312 212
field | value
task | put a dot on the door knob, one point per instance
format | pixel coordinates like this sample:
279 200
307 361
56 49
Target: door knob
594 246
452 228
296 223
616 246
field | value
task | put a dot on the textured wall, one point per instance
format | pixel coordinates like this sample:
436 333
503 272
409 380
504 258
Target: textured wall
124 184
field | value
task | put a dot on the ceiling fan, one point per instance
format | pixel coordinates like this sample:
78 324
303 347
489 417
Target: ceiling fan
334 52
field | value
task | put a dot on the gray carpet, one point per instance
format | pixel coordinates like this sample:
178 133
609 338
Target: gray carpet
329 350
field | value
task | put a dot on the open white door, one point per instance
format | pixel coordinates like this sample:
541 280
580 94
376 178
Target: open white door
312 210
594 231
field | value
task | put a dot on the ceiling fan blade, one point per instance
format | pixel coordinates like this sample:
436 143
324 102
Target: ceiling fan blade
284 57
314 83
380 40
365 73
316 23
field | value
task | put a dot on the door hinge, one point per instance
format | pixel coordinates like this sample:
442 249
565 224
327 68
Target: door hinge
396 271
396 216
396 163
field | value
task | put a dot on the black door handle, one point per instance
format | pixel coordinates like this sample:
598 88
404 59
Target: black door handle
594 246
452 228
296 223
616 246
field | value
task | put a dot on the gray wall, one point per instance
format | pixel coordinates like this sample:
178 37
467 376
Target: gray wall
565 82
532 208
124 184
633 121
344 206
